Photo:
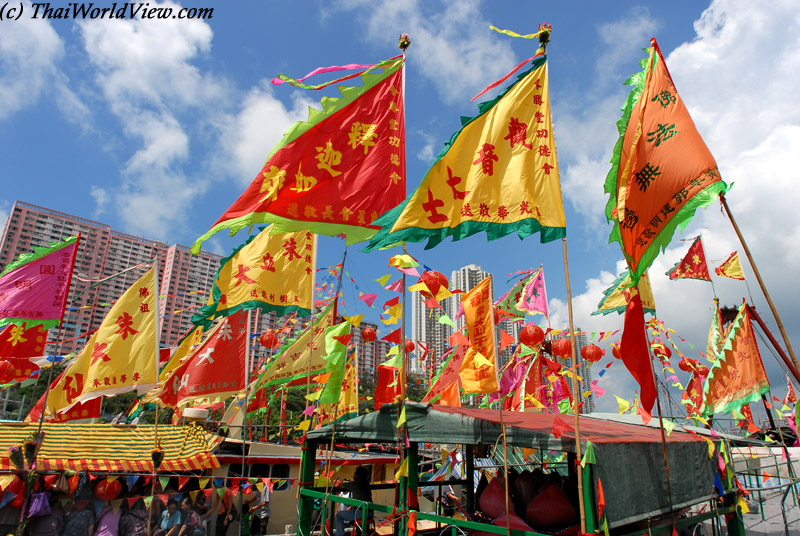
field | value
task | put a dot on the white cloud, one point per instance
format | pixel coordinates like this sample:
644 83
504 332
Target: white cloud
456 66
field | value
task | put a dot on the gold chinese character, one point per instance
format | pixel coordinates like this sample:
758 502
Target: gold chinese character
346 212
393 106
394 141
394 159
361 133
328 157
393 124
395 178
303 183
271 182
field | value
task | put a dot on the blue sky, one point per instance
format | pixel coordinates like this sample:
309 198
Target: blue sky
155 127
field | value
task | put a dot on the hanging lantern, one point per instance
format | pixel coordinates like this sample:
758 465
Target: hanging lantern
562 348
107 490
6 372
661 351
686 364
592 353
269 339
368 335
409 346
702 371
615 351
531 336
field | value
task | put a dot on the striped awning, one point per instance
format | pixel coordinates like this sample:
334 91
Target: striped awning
113 448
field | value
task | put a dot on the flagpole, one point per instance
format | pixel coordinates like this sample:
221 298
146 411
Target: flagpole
157 445
244 403
760 281
576 392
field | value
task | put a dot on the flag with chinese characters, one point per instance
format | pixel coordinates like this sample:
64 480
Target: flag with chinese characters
506 305
716 336
272 271
497 174
82 411
448 375
336 340
692 396
34 288
693 265
121 356
731 268
534 295
22 340
479 367
300 358
347 407
661 172
737 377
336 172
185 347
617 297
215 369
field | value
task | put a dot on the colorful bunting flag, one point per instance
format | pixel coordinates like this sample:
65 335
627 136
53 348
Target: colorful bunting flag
121 356
617 297
271 271
335 358
534 295
662 171
448 374
347 406
693 265
738 376
34 288
479 316
497 174
337 172
731 268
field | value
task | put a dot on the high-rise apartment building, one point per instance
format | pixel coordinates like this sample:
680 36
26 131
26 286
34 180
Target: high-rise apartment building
370 354
185 279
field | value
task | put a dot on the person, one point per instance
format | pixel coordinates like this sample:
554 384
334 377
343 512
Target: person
48 524
107 523
360 490
223 506
134 521
77 522
192 525
170 522
244 529
260 513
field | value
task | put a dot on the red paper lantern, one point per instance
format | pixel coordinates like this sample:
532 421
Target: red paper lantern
592 353
409 346
368 335
562 348
686 364
531 336
107 490
702 371
6 372
662 351
615 351
269 339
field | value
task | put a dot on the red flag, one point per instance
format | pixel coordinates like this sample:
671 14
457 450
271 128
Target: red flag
395 337
21 341
560 427
636 353
693 265
81 411
338 171
215 368
385 392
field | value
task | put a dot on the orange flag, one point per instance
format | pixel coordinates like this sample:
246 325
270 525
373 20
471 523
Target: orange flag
661 171
479 370
450 396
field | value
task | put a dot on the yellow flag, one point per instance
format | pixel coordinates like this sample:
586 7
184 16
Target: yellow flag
623 404
479 368
348 400
402 470
498 174
298 360
121 356
190 342
271 271
732 267
619 294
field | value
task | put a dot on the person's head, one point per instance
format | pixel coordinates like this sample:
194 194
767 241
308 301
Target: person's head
186 504
363 473
172 506
245 509
69 505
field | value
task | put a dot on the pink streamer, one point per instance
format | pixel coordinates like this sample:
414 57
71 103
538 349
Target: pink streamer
331 69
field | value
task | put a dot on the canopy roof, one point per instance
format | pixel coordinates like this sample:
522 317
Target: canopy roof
443 424
107 447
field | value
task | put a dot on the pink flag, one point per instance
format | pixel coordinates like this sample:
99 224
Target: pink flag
33 289
534 295
369 299
397 286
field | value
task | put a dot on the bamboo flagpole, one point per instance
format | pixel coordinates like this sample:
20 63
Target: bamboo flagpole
576 392
760 281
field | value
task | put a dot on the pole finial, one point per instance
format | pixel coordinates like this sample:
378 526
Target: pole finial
405 42
544 35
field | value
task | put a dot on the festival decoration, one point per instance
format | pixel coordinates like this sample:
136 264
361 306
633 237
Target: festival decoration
34 288
498 174
121 356
562 348
592 353
737 377
731 267
22 340
272 271
387 390
531 336
716 337
662 171
409 346
478 369
337 172
6 371
216 368
347 405
533 299
107 489
368 335
693 265
615 351
189 343
268 339
336 340
448 375
617 297
635 353
87 410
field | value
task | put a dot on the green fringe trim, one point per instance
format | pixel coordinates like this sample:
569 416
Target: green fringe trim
609 291
37 253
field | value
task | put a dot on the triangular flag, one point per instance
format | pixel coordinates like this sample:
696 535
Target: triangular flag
693 265
560 427
731 268
383 279
369 299
588 454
